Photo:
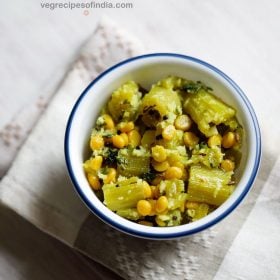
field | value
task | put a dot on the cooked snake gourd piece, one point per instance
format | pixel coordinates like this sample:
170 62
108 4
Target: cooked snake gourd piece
177 202
178 154
171 188
133 162
124 103
208 111
210 157
209 185
158 105
173 82
123 196
201 211
129 213
172 218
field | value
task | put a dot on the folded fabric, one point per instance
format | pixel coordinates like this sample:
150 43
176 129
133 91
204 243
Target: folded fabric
37 187
13 134
254 253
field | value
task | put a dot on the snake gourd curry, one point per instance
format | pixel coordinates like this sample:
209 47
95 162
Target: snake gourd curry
165 156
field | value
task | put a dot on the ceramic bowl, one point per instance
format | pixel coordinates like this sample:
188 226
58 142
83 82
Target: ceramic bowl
146 70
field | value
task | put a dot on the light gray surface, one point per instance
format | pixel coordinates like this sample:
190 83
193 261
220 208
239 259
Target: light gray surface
37 46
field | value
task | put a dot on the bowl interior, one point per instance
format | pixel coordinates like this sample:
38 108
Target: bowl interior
146 71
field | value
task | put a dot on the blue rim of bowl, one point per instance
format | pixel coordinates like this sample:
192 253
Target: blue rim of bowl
187 232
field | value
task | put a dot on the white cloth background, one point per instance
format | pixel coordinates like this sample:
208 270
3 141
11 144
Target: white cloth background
243 40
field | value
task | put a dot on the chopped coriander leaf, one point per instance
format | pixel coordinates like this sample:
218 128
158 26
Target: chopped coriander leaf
149 176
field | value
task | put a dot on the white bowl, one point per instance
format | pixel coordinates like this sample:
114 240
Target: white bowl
146 70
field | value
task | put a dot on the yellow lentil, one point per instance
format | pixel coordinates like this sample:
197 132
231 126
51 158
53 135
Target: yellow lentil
159 153
125 138
96 142
160 166
228 140
227 165
134 138
96 162
168 132
144 208
173 172
94 181
147 190
109 123
183 122
190 139
215 140
118 141
126 126
111 176
161 204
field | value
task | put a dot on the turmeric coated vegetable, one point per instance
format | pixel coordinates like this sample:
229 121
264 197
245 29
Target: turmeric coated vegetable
207 111
167 156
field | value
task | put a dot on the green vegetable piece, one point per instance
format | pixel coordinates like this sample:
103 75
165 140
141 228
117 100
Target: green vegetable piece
172 218
174 191
131 180
207 111
173 83
209 185
210 157
201 211
177 201
130 214
133 162
122 197
171 188
178 154
175 218
159 103
124 102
